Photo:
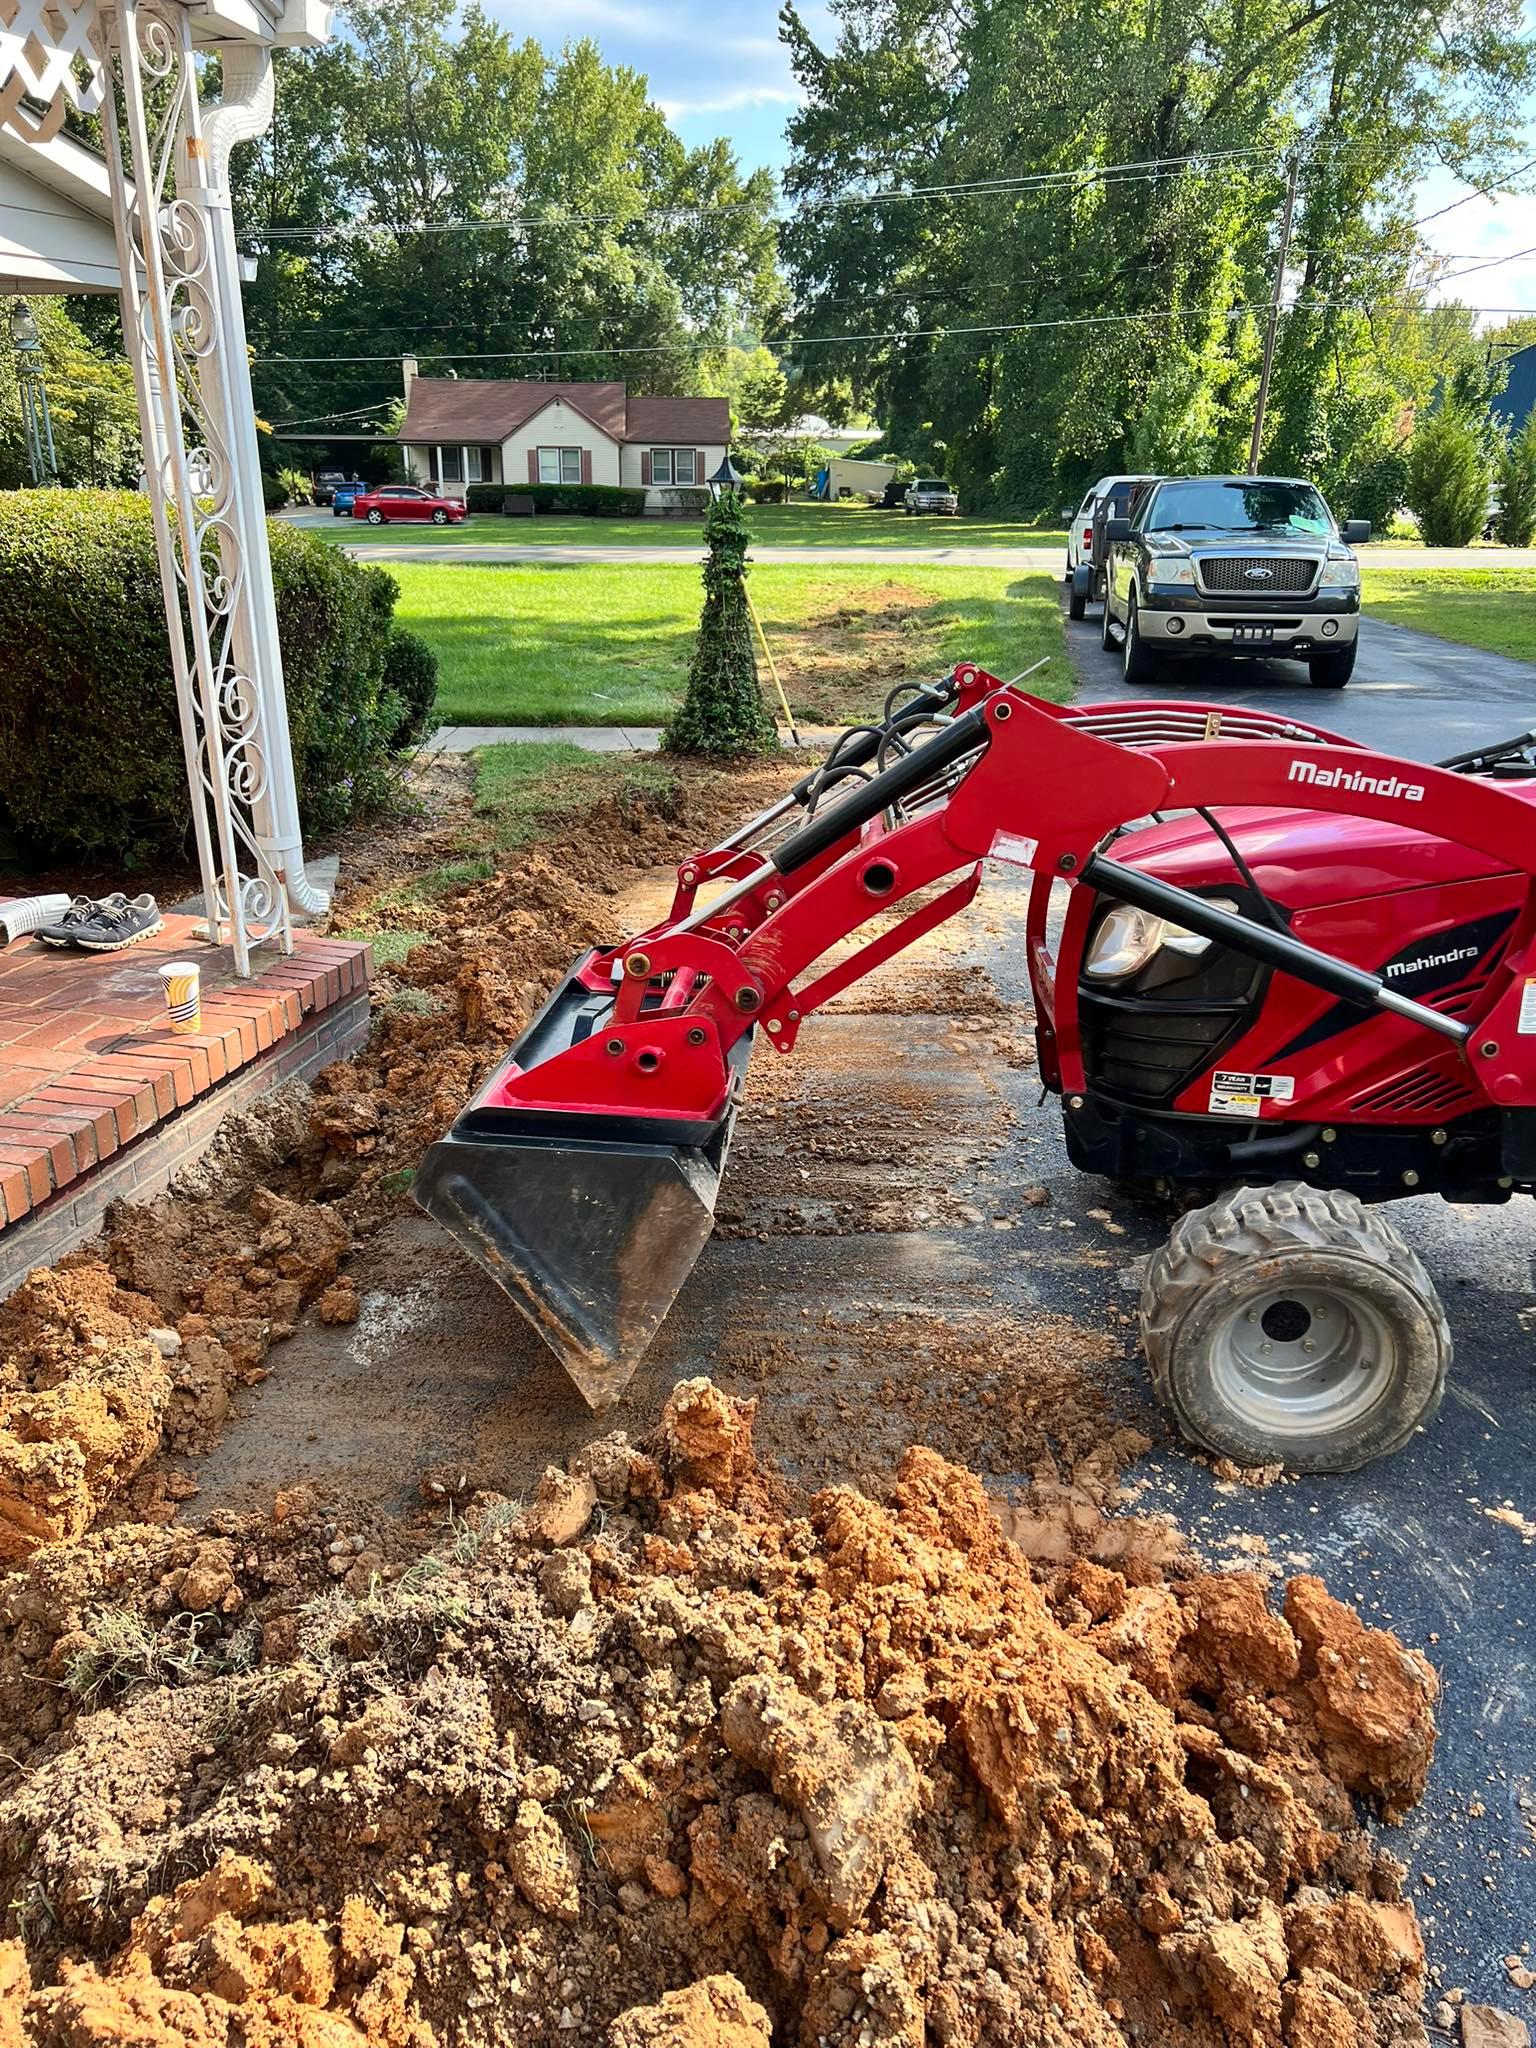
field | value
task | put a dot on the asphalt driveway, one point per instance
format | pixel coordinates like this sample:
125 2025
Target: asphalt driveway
1411 693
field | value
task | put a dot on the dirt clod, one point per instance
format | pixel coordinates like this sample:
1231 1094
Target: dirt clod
714 2013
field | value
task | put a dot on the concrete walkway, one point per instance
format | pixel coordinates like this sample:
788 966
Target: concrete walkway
597 739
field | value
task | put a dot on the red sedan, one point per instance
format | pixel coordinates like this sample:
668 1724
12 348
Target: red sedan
405 501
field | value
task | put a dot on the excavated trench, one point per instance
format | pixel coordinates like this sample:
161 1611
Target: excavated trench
355 1685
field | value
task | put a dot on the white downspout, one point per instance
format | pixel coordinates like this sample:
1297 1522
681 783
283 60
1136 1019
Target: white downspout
241 114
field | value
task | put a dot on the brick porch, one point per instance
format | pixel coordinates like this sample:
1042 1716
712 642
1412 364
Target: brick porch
98 1098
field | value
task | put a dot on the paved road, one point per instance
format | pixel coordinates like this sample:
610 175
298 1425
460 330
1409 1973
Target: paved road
1411 693
894 556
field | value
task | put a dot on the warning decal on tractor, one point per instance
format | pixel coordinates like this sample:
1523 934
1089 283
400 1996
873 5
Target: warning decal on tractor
1242 1094
1527 1024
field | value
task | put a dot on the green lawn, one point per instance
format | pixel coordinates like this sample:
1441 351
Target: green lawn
801 526
590 644
1491 608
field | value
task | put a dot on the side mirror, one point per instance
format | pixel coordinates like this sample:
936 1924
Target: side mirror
1117 529
1355 531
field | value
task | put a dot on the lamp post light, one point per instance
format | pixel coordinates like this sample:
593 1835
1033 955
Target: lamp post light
727 480
36 419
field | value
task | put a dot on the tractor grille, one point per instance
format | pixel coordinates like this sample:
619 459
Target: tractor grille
1145 1039
1256 575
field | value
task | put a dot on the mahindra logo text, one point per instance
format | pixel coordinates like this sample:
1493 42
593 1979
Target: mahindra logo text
1315 773
1394 968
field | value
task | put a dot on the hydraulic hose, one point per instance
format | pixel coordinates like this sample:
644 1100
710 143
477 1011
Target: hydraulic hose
947 746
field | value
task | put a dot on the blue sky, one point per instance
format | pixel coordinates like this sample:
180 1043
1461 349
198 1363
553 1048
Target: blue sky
717 67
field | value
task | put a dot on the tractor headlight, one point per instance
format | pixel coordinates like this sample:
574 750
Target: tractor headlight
1340 576
1128 939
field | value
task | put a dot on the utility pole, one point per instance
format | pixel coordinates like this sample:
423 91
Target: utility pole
1274 316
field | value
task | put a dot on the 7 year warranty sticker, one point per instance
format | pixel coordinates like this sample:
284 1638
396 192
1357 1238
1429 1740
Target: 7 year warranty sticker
1527 1024
1243 1094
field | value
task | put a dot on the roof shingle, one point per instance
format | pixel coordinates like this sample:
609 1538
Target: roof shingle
476 409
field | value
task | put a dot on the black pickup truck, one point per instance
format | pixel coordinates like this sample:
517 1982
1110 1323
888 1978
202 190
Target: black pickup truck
1233 565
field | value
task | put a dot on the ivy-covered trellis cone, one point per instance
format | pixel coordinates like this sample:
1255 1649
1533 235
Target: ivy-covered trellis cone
723 712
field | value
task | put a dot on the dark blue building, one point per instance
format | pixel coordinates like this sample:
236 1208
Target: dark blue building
1517 401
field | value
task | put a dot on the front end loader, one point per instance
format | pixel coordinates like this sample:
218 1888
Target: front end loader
1273 970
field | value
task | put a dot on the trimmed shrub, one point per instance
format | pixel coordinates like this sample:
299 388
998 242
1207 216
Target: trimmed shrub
768 490
1515 481
1448 481
685 500
91 759
274 492
587 501
410 680
722 712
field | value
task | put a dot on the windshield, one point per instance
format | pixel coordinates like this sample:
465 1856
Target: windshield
1238 505
930 483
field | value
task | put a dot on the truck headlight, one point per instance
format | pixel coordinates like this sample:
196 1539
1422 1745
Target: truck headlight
1340 576
1127 939
1172 569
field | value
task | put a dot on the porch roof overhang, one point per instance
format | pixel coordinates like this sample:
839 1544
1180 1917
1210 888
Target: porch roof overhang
55 218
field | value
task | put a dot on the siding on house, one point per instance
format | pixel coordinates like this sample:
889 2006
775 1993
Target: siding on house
559 426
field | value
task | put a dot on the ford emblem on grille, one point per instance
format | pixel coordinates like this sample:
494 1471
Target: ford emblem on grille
1257 575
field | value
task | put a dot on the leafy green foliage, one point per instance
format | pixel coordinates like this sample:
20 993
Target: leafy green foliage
410 681
1515 482
586 501
91 757
91 400
1448 479
616 234
297 485
723 712
1150 293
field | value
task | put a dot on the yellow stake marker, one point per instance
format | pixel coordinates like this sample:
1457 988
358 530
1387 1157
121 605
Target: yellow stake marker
772 667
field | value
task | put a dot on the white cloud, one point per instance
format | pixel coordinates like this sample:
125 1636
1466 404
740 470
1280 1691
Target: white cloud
731 103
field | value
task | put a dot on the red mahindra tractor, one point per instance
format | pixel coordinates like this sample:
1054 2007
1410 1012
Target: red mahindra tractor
1289 1009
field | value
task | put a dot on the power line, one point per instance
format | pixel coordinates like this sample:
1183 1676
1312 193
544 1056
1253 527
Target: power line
1477 192
1024 181
785 345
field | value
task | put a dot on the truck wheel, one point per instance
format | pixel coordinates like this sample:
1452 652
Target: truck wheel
1139 666
1077 596
1107 625
1332 668
1291 1325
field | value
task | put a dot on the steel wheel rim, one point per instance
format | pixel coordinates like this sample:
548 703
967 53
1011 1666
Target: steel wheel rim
1295 1361
1128 643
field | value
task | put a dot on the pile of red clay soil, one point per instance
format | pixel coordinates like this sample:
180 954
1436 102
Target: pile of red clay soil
663 1760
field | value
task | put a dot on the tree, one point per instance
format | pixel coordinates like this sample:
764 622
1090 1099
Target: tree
1044 317
433 185
91 400
1448 480
1515 482
723 712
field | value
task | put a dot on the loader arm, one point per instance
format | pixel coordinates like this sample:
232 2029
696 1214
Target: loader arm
583 1176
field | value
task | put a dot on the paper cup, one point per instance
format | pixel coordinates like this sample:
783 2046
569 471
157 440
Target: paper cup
183 995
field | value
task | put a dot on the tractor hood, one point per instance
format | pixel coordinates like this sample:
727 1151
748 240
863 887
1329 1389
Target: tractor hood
1307 859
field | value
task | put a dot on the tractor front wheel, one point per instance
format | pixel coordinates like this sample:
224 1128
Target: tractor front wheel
1292 1325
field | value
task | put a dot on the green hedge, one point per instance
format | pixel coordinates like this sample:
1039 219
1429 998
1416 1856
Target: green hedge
90 743
589 501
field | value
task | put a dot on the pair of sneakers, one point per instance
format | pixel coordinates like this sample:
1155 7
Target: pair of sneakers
105 924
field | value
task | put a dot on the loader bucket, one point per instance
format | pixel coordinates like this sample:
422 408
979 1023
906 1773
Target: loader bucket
592 1236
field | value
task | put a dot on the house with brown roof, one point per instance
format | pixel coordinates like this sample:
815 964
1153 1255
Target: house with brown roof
514 431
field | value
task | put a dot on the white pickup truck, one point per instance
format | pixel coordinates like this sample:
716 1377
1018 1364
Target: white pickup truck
931 494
